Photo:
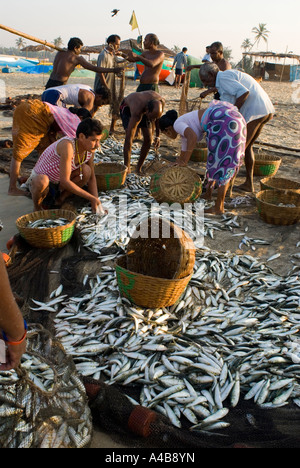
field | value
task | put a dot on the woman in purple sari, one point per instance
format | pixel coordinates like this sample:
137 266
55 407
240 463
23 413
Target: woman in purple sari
226 133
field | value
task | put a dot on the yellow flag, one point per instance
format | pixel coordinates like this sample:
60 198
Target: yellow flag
133 22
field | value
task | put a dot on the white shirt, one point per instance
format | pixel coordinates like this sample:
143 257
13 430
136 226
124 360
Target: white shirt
232 84
69 93
207 58
189 120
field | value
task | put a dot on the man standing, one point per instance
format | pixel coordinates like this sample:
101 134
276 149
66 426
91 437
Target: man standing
141 110
106 59
217 56
181 62
153 60
66 61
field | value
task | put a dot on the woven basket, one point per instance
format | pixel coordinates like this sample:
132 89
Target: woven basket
160 249
176 185
277 183
110 176
268 207
146 291
51 237
200 152
266 165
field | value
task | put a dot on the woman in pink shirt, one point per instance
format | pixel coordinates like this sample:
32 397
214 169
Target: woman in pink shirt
66 167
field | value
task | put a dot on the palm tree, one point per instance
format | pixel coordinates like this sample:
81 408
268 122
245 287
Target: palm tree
58 42
261 32
20 43
247 45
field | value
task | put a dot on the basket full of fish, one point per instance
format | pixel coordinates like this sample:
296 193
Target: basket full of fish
278 207
47 229
110 176
43 403
158 265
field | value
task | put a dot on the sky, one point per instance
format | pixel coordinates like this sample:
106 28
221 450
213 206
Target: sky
191 23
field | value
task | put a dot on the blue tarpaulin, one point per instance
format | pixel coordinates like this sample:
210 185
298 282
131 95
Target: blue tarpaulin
37 69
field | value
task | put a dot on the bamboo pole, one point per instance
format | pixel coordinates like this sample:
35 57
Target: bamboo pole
30 38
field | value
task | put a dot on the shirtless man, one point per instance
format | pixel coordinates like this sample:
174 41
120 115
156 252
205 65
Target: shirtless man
140 110
153 60
77 95
66 61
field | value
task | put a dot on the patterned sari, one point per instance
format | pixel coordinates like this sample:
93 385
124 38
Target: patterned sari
226 133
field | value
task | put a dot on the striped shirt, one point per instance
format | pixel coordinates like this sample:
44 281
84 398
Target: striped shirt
49 161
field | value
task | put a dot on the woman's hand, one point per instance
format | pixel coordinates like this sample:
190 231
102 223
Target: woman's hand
13 356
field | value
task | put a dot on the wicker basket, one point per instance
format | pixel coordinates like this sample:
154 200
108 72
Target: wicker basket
110 176
146 291
161 249
266 165
200 153
268 202
176 185
277 183
51 237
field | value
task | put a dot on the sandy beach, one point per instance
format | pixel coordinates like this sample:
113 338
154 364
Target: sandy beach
283 131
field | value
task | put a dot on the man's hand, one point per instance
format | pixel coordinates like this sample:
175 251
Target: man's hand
118 70
156 143
132 57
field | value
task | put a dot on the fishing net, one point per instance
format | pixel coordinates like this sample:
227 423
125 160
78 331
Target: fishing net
43 403
118 90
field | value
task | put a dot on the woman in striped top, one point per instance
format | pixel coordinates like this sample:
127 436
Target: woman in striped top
67 166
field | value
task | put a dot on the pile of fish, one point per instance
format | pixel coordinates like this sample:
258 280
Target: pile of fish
47 223
43 403
234 335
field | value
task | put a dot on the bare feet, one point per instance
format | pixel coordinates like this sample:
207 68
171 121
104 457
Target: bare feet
15 192
244 188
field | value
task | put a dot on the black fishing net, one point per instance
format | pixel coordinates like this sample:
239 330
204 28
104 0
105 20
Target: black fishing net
43 403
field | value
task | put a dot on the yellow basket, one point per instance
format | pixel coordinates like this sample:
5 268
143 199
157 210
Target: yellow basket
147 291
266 165
48 238
268 205
161 249
176 184
279 183
110 176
